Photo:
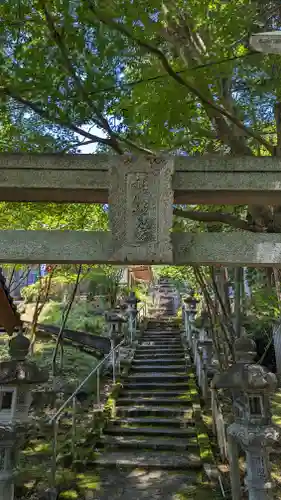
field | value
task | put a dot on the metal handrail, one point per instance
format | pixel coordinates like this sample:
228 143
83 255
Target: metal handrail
54 421
95 370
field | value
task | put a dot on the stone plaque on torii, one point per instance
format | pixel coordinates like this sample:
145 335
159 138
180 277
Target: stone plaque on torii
141 210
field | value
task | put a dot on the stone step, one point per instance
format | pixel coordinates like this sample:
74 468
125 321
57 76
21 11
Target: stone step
161 340
156 329
162 308
146 410
160 324
153 443
151 459
158 368
159 353
160 347
177 394
154 400
157 377
160 356
161 350
161 331
162 335
153 426
163 303
155 361
155 385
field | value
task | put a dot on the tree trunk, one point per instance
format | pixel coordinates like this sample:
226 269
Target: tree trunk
42 297
11 277
238 301
59 341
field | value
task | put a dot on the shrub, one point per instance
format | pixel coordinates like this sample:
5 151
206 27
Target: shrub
58 289
30 292
82 317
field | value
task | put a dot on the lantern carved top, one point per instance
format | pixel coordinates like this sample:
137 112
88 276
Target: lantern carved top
18 370
19 347
245 349
7 433
245 375
114 317
132 299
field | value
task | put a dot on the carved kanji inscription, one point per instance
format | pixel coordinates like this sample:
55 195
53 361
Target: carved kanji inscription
141 211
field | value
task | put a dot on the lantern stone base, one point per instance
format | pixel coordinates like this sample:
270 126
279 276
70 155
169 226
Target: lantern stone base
6 489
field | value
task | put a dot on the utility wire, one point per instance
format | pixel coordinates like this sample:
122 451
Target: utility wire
165 75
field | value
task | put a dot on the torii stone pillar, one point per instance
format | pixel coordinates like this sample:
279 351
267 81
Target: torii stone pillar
251 386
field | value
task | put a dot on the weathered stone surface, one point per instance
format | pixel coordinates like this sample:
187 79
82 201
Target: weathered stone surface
55 246
235 249
141 213
85 178
162 459
139 484
16 372
157 443
251 387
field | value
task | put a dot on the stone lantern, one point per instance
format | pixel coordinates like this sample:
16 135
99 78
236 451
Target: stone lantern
132 311
8 438
17 376
115 320
132 302
251 386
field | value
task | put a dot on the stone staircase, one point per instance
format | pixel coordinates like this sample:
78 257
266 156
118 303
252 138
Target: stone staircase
154 425
156 446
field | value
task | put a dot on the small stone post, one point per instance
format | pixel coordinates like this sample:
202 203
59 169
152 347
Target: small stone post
277 348
251 386
116 321
17 376
132 310
206 365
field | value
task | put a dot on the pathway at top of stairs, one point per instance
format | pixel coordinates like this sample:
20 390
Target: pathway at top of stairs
150 450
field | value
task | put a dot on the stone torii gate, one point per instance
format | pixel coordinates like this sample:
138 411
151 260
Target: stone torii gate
140 192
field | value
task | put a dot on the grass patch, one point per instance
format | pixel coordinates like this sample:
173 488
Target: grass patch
82 317
77 364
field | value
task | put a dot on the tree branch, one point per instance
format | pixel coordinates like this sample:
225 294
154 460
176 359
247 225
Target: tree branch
210 217
166 65
137 146
76 145
47 116
57 38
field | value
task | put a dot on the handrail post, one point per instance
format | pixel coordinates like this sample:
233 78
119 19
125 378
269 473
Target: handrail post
73 440
131 326
113 367
118 361
54 454
98 386
185 324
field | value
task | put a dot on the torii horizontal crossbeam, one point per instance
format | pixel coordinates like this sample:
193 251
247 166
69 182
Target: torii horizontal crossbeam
85 178
233 249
